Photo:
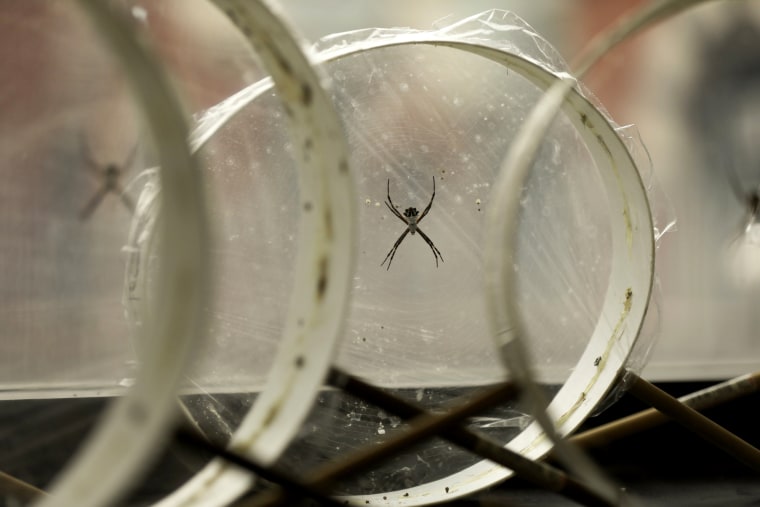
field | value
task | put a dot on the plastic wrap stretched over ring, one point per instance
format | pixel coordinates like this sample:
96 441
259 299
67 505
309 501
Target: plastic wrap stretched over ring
428 124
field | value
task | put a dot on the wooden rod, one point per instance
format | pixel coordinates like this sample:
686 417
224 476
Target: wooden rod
694 421
703 399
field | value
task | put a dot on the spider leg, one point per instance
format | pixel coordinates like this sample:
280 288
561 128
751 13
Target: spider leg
389 191
392 253
130 158
432 246
125 199
425 211
396 212
93 203
86 152
393 206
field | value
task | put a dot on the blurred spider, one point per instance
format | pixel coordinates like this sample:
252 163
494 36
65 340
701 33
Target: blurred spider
109 175
411 218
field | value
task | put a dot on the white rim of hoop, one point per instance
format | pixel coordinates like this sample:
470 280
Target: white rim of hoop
324 268
134 426
632 268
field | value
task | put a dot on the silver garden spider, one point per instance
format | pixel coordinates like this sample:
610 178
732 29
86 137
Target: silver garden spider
411 219
109 176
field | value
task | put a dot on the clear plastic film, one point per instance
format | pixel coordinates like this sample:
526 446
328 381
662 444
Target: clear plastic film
420 108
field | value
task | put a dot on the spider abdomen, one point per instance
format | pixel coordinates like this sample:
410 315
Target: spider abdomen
411 215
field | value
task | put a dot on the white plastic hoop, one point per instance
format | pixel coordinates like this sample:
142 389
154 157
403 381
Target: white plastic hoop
324 264
631 279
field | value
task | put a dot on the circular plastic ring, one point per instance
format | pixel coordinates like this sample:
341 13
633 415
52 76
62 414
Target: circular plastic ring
630 283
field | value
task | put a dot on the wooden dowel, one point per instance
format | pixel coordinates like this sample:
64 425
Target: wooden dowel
694 421
646 419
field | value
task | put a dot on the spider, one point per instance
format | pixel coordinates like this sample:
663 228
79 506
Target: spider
411 218
109 175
